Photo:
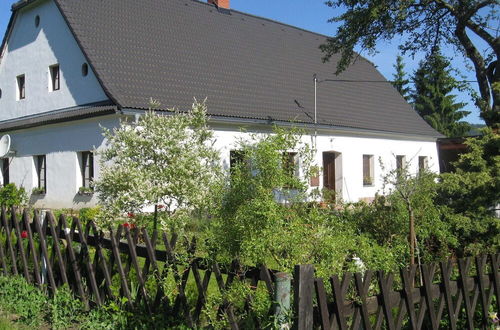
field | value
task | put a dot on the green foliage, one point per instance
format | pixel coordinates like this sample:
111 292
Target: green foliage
400 82
166 159
432 98
64 309
470 195
10 196
22 299
420 26
252 225
88 213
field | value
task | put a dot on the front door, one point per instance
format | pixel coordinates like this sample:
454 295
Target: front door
329 170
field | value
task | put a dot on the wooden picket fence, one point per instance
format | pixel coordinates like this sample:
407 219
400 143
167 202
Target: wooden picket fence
452 296
99 266
90 261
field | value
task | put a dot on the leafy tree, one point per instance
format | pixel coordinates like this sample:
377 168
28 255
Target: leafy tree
250 223
432 98
471 194
425 24
161 159
400 82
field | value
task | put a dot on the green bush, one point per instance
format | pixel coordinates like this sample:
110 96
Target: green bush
10 196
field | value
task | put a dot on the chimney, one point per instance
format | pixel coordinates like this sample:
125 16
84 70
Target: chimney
220 3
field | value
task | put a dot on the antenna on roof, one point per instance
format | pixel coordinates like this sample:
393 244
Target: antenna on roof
315 79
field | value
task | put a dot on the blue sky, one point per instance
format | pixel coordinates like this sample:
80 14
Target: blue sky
313 15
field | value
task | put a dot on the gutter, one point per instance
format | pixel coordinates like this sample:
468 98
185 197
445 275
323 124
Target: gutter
321 128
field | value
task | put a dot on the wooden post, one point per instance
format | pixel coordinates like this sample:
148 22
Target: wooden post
303 296
282 298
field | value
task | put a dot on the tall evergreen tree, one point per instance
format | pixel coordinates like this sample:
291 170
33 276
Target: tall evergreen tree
399 78
433 99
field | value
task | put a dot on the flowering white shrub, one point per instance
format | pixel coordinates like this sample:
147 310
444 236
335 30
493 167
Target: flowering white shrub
163 158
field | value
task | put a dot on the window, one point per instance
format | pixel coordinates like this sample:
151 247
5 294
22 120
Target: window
21 93
422 163
85 69
87 168
400 162
54 77
290 164
5 171
41 172
37 21
368 175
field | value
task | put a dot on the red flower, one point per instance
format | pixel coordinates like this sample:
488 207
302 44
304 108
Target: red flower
126 225
161 206
130 215
24 234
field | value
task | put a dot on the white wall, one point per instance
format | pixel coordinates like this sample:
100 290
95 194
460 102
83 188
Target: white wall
352 150
61 142
30 51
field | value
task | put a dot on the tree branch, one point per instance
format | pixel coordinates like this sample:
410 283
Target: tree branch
477 29
478 62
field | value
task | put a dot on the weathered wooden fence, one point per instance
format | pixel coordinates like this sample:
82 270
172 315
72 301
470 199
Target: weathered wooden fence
125 262
451 297
50 253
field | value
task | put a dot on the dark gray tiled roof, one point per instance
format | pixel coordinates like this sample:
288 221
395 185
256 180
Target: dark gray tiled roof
247 67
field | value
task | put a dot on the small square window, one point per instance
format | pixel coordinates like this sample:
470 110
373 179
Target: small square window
21 92
87 168
54 77
368 172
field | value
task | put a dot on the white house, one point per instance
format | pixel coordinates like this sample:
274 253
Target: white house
68 67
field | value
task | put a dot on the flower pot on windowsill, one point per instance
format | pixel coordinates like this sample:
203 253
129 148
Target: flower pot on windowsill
85 191
38 191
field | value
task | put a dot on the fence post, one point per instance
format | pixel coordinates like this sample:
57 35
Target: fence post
282 299
303 296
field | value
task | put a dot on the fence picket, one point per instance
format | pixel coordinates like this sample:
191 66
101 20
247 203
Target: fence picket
45 254
8 241
20 246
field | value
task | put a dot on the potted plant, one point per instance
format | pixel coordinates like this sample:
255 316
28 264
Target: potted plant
38 191
86 191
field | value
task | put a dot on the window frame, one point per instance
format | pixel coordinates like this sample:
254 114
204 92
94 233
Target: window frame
21 86
41 172
423 163
55 77
87 168
368 170
401 162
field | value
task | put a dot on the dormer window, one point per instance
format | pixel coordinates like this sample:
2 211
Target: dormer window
54 77
21 93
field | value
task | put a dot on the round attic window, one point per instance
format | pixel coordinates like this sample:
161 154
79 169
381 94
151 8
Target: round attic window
37 21
85 69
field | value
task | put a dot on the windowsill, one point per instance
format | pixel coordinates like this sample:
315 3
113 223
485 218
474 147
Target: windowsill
80 193
368 185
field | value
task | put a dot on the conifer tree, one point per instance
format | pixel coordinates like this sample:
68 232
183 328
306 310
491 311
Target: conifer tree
400 82
432 96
